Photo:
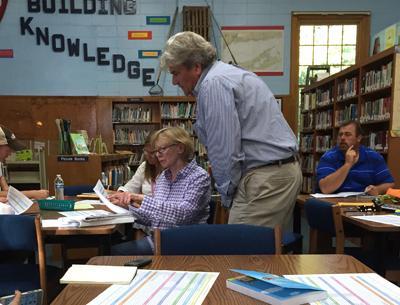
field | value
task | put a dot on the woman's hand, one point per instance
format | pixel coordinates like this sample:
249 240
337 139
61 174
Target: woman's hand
122 199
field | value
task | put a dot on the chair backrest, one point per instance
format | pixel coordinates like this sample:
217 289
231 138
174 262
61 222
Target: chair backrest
24 233
224 239
213 208
324 217
73 190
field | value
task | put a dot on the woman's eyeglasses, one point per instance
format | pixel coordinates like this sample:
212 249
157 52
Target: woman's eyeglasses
162 150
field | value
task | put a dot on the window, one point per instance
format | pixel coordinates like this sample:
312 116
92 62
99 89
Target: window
337 40
332 45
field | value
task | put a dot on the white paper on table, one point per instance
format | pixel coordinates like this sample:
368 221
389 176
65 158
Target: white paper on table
98 274
337 195
18 201
154 286
389 219
101 192
352 288
85 213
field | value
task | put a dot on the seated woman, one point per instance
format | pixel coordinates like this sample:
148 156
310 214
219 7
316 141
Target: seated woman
181 196
144 179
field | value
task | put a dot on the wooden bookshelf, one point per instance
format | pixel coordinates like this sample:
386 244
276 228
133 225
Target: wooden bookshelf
134 118
368 92
84 169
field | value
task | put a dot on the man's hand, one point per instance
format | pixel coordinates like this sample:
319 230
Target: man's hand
351 156
17 298
3 199
372 190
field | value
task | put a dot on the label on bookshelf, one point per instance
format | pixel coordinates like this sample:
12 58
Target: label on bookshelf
73 158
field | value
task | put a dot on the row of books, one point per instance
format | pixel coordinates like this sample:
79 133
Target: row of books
376 79
130 135
308 185
176 111
116 176
131 114
347 88
324 97
346 114
376 110
307 163
377 140
136 158
309 101
323 143
306 143
187 125
199 148
306 120
323 119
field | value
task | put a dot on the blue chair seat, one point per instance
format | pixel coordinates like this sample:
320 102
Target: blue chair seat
23 277
292 242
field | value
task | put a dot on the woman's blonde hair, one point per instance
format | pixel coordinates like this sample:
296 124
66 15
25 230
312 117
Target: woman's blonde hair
176 135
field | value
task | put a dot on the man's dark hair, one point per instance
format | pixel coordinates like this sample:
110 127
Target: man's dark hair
357 126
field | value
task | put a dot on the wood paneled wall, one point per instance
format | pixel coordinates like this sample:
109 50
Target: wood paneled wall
33 117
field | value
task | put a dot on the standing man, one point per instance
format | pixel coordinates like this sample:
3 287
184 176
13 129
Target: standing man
352 167
252 150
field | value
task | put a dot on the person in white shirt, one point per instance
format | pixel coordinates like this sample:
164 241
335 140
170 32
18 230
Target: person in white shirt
144 179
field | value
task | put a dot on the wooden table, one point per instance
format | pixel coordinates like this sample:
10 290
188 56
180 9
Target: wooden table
378 232
348 212
219 294
96 236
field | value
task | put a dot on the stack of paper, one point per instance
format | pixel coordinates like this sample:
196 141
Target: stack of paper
98 274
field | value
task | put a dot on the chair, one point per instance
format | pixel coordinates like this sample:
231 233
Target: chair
323 217
224 239
213 208
22 233
73 190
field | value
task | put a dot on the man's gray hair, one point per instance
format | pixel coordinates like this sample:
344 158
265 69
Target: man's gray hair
188 49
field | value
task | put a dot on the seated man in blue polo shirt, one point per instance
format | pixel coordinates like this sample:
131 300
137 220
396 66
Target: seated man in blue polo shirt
352 167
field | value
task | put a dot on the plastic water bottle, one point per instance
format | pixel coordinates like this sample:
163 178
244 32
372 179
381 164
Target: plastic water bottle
104 179
59 188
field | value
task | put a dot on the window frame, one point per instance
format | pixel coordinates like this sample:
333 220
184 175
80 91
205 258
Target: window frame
362 20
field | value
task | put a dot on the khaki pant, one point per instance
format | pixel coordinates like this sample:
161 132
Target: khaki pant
266 196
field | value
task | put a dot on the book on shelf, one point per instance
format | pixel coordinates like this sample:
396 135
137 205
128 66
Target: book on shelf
98 274
273 289
79 144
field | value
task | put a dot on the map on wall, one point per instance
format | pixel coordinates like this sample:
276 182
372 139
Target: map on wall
256 48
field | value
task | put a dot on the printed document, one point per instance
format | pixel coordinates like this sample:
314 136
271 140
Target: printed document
389 219
101 192
352 288
154 287
338 195
18 201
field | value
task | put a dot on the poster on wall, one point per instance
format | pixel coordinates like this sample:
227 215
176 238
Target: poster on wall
256 48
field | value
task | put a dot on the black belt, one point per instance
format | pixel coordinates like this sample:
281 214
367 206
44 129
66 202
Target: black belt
282 161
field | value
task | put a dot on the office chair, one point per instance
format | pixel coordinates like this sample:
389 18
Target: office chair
22 233
224 239
73 190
